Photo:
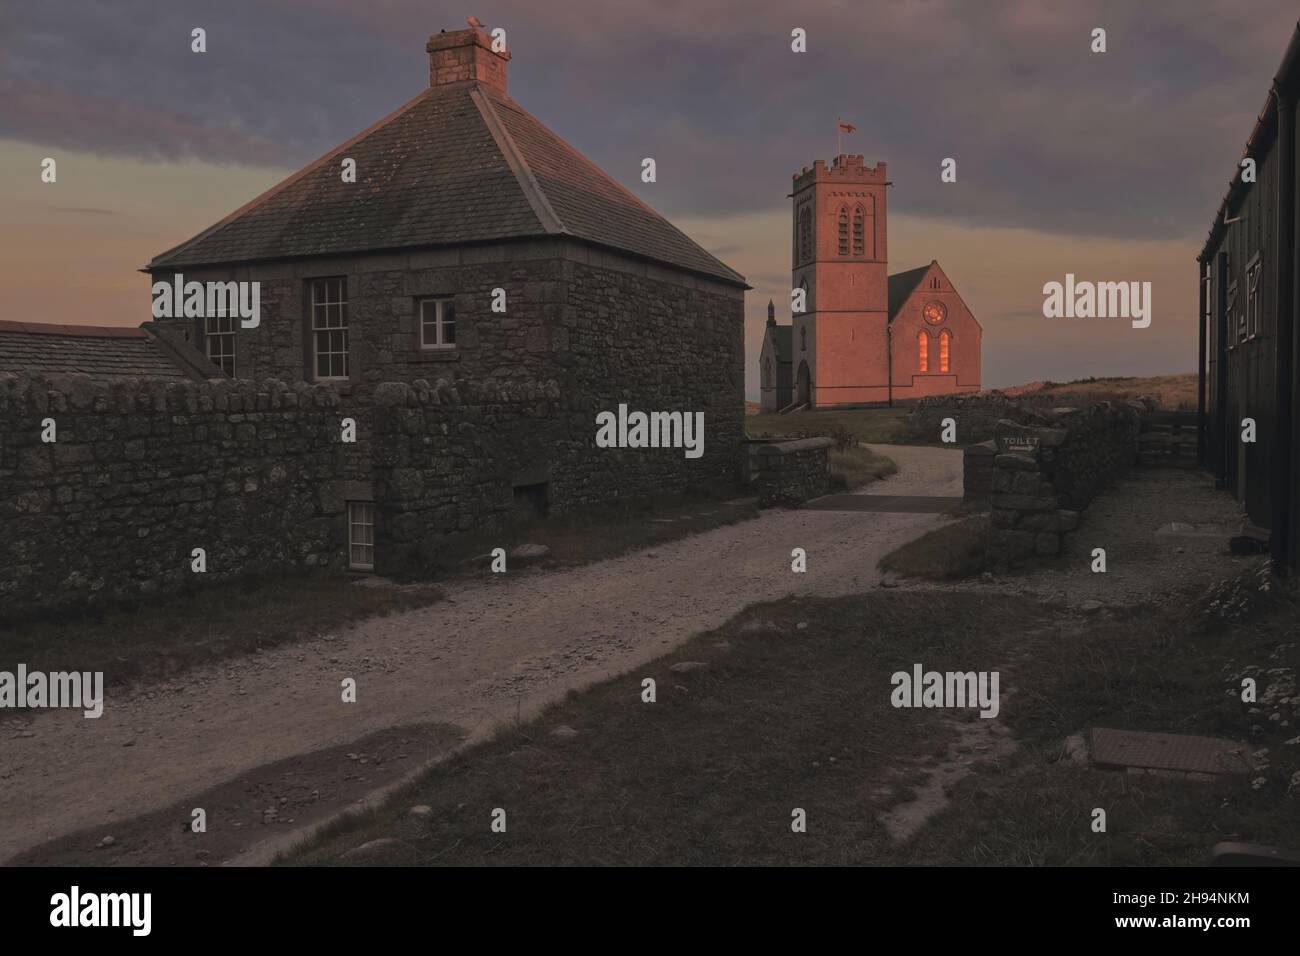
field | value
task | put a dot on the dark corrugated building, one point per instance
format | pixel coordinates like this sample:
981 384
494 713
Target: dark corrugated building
1248 272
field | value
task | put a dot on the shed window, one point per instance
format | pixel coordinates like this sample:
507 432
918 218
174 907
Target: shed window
1253 274
1232 314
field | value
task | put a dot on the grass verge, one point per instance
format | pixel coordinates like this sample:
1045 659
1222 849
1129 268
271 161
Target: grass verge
858 466
783 716
878 425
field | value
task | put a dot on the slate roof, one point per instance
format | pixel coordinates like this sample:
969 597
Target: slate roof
782 341
100 352
460 163
902 285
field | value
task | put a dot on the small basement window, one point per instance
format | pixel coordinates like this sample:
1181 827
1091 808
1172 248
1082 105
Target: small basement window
531 501
361 535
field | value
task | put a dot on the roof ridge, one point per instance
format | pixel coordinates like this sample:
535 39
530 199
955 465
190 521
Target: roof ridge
532 191
74 331
295 177
637 200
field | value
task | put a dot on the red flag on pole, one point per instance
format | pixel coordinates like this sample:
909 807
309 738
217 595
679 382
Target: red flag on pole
841 128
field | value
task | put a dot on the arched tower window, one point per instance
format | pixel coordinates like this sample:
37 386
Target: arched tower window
944 338
805 234
923 351
844 231
767 373
803 338
859 224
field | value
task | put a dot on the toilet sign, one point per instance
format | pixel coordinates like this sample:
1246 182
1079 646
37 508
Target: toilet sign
1022 444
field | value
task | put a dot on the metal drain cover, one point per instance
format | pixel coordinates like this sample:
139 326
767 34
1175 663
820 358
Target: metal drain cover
1136 748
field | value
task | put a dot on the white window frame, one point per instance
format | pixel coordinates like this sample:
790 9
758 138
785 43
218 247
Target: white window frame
438 323
220 330
361 535
323 322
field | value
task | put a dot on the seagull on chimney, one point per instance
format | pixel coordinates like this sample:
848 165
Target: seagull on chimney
476 23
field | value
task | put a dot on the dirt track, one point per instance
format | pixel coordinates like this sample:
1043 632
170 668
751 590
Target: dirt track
500 647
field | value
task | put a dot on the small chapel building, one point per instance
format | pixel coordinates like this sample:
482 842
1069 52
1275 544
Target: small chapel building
864 337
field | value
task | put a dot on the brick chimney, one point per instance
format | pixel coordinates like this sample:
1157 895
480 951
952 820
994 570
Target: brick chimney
464 55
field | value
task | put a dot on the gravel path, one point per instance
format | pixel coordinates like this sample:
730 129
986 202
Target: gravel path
499 647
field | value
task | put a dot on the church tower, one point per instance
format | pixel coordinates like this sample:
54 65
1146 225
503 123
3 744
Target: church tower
841 341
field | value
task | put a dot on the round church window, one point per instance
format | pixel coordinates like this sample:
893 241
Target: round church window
935 312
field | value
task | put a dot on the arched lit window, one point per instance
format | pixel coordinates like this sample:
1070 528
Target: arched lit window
943 350
805 234
859 216
923 351
844 231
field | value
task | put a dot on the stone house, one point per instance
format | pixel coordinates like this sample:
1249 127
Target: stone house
475 249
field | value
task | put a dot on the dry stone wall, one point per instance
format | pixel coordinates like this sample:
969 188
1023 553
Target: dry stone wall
790 472
1044 476
258 475
140 473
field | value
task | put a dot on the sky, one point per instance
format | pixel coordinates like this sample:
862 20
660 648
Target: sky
1108 165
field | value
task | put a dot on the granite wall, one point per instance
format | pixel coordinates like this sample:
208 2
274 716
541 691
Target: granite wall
258 475
790 472
1043 477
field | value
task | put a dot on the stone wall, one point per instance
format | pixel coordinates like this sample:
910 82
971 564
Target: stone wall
448 460
1044 476
141 473
976 415
599 324
977 474
257 474
790 472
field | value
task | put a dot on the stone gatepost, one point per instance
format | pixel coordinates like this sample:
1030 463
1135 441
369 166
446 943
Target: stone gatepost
1027 518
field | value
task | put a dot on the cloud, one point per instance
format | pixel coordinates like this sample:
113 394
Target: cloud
1136 142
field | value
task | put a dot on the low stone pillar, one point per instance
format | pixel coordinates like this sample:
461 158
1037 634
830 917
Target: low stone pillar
791 472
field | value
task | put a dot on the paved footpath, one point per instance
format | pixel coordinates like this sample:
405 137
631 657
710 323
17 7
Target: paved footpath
497 648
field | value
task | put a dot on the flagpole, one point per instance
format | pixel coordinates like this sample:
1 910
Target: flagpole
839 137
